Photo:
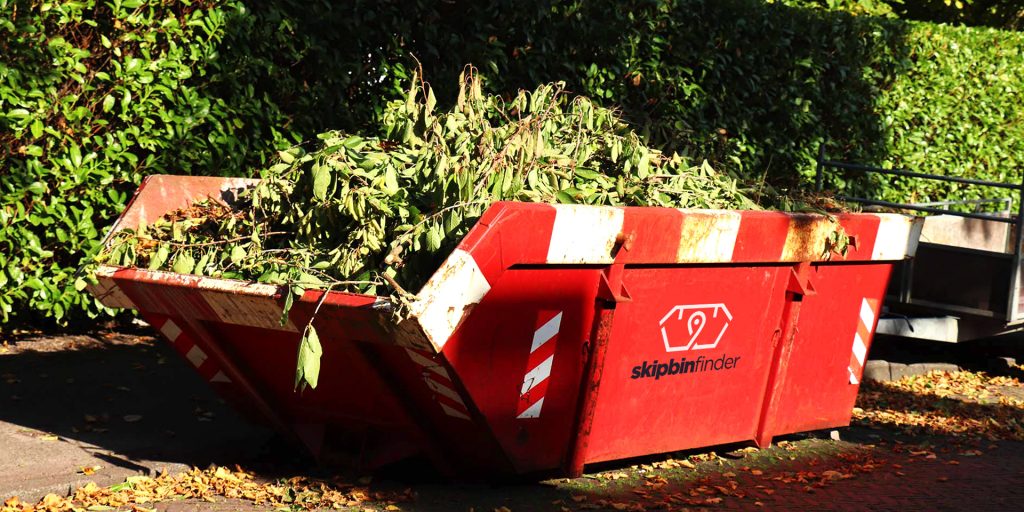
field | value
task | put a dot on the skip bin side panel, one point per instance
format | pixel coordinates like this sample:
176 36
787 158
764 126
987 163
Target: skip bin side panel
830 348
437 401
208 325
520 356
687 360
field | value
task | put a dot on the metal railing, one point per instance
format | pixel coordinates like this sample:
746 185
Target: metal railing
1014 311
1018 219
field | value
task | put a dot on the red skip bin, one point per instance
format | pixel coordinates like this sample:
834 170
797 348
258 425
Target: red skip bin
554 336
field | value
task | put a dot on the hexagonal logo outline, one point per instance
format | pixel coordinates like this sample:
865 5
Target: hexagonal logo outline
695 325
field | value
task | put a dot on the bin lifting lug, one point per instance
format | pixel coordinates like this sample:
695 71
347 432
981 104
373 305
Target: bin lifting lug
611 288
800 281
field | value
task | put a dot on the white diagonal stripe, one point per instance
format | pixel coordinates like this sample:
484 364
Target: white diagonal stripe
546 332
427 363
533 411
448 296
171 330
444 391
867 315
196 356
220 377
452 412
537 375
859 349
853 377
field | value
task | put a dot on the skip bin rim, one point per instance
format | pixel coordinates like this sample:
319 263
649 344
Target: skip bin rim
582 235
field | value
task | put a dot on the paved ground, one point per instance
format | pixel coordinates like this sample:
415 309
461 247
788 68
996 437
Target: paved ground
124 404
71 404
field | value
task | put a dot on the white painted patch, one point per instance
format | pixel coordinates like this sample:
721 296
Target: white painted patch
445 391
107 291
807 240
853 377
708 236
546 332
220 377
452 412
240 309
196 356
425 362
171 330
533 411
448 296
584 234
232 286
537 375
897 236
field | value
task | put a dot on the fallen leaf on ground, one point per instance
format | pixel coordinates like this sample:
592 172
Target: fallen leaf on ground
960 404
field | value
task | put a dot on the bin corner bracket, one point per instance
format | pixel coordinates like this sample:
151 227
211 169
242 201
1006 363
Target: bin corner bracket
798 285
611 290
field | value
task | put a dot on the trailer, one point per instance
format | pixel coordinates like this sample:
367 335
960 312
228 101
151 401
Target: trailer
964 284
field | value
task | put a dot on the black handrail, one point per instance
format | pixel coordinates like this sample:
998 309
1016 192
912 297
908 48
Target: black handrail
823 163
1012 313
874 202
913 174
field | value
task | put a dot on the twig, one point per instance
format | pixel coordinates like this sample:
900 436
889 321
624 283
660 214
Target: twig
214 242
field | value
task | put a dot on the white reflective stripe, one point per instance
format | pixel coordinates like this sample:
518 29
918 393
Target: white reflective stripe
859 349
444 391
452 412
533 411
853 377
171 330
427 363
447 296
546 332
708 236
196 356
584 234
242 309
897 236
220 377
867 315
107 291
537 375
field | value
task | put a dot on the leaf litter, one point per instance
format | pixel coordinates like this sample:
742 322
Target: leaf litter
964 404
141 493
925 404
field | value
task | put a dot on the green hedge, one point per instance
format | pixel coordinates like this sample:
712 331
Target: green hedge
94 95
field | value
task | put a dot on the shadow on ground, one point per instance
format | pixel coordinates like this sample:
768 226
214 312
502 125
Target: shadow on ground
124 403
130 405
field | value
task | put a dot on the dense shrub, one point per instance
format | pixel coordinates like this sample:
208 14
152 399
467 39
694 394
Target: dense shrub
94 95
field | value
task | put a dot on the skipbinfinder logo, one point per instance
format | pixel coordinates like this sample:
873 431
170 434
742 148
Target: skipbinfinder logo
658 370
694 326
690 327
